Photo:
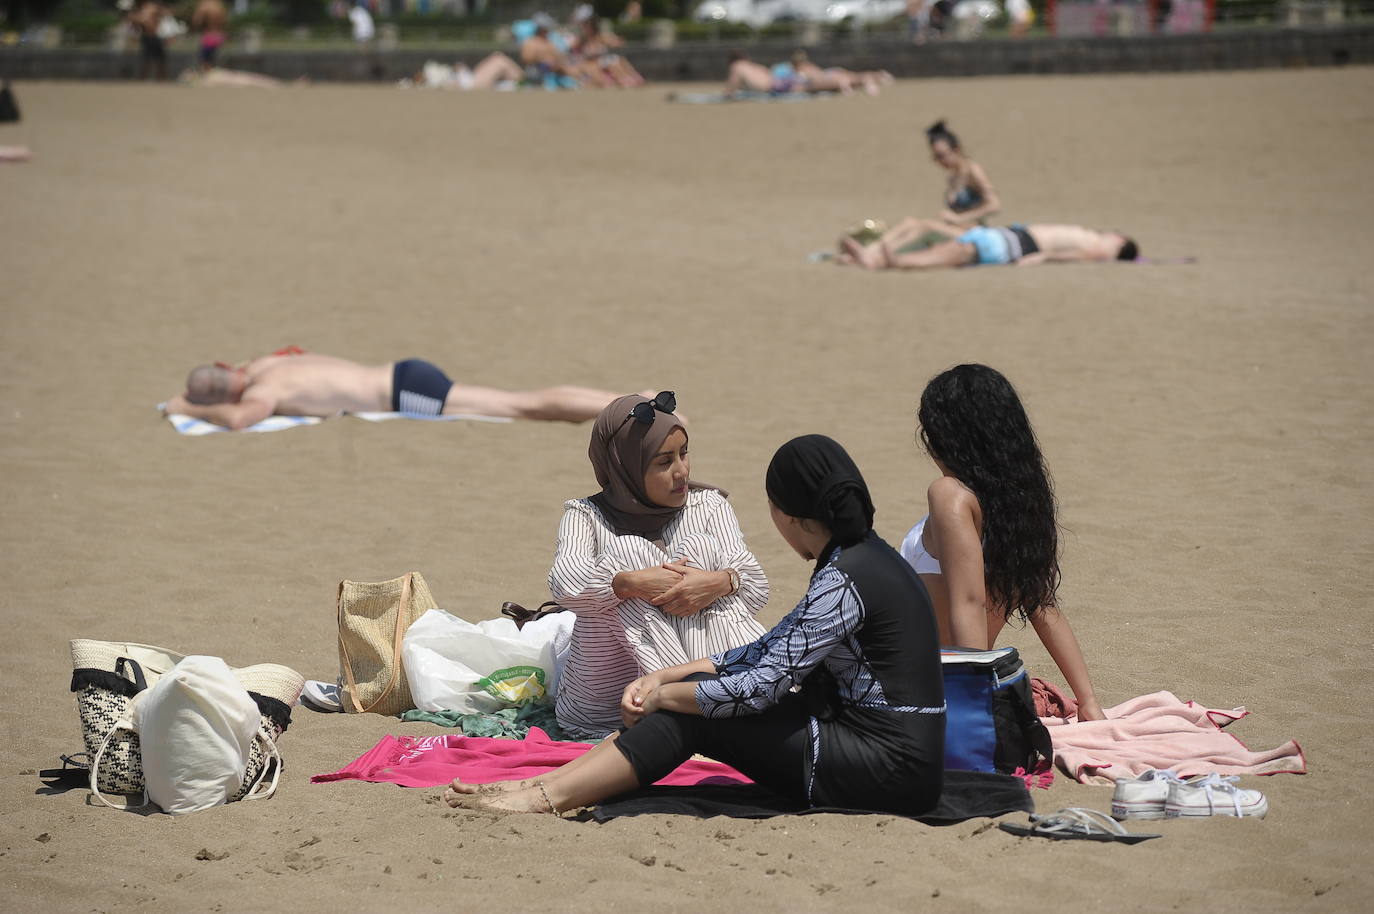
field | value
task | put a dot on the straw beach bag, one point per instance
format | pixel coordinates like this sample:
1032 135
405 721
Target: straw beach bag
107 677
373 619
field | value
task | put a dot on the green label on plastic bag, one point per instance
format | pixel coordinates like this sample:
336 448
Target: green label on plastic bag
517 685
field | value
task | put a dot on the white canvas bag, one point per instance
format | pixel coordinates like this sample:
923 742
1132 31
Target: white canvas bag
197 726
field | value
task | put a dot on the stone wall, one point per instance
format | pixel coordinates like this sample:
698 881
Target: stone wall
1238 49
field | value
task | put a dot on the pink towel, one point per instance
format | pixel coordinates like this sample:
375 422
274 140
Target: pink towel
432 761
1160 731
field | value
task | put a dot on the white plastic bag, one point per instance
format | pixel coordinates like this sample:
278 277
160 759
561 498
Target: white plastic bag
455 665
196 727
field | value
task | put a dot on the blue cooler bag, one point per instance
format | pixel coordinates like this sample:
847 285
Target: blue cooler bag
990 721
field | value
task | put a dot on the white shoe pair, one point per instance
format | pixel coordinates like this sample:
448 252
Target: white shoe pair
1159 794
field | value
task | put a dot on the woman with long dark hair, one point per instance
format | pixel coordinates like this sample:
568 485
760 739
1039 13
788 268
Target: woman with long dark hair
841 704
988 552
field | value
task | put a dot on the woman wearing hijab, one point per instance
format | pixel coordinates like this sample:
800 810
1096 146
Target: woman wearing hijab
654 565
865 730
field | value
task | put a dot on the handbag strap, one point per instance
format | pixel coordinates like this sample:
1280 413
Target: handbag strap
521 615
351 692
274 764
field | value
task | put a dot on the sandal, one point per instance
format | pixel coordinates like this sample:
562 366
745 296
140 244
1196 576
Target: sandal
1075 823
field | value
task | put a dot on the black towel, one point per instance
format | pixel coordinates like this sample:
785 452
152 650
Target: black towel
966 795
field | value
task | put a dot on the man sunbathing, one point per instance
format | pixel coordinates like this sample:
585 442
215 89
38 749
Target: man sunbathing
1023 245
292 382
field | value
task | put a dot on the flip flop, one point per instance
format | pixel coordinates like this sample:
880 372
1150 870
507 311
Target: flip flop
1075 823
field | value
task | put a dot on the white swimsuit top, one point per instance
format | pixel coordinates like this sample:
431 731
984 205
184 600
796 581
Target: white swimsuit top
914 550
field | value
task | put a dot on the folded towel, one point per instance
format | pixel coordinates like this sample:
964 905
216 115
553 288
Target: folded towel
188 425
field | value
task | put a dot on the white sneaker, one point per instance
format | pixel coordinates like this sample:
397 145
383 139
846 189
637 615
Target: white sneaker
1143 797
1214 795
322 696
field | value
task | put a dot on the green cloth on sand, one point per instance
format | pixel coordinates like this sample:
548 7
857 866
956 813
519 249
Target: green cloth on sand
508 723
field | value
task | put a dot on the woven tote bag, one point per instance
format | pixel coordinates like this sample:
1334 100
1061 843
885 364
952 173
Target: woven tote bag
108 675
373 618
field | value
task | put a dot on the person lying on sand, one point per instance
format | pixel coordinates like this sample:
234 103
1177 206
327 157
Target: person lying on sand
988 551
838 79
654 565
748 76
495 71
862 644
1023 245
220 78
296 383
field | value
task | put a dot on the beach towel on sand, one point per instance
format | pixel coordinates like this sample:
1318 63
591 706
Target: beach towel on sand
1160 731
696 788
721 98
188 425
432 761
966 795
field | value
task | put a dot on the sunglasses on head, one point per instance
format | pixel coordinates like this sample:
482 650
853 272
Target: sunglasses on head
665 401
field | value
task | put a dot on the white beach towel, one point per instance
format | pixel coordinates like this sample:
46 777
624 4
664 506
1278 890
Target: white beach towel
189 425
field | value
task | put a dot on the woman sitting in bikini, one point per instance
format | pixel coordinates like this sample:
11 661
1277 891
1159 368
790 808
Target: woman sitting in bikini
841 704
654 565
969 199
988 550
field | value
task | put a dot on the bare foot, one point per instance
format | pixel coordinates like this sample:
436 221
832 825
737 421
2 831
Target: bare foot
861 255
528 800
456 791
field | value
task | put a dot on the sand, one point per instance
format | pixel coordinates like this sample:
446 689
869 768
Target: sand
1210 429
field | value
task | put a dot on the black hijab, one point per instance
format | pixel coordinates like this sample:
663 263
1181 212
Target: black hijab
812 477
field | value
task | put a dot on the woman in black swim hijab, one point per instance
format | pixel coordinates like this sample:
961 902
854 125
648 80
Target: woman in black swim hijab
865 730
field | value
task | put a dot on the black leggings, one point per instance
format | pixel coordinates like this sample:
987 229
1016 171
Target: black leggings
770 747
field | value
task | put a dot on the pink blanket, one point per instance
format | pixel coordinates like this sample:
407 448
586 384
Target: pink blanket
1160 731
432 761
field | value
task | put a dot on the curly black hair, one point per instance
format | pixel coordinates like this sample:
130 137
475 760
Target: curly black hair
973 422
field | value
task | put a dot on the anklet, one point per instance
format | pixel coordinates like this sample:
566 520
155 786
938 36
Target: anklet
553 809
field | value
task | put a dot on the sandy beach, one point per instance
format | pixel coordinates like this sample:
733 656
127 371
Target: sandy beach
1209 426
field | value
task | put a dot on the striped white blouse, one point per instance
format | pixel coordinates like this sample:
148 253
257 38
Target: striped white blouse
614 641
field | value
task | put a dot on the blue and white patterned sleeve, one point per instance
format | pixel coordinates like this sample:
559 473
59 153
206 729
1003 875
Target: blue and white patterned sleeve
756 676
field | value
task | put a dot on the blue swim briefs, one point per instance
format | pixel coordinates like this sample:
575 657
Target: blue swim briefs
418 388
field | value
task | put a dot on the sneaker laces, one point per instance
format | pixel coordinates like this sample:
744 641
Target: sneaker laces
1168 775
1226 784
